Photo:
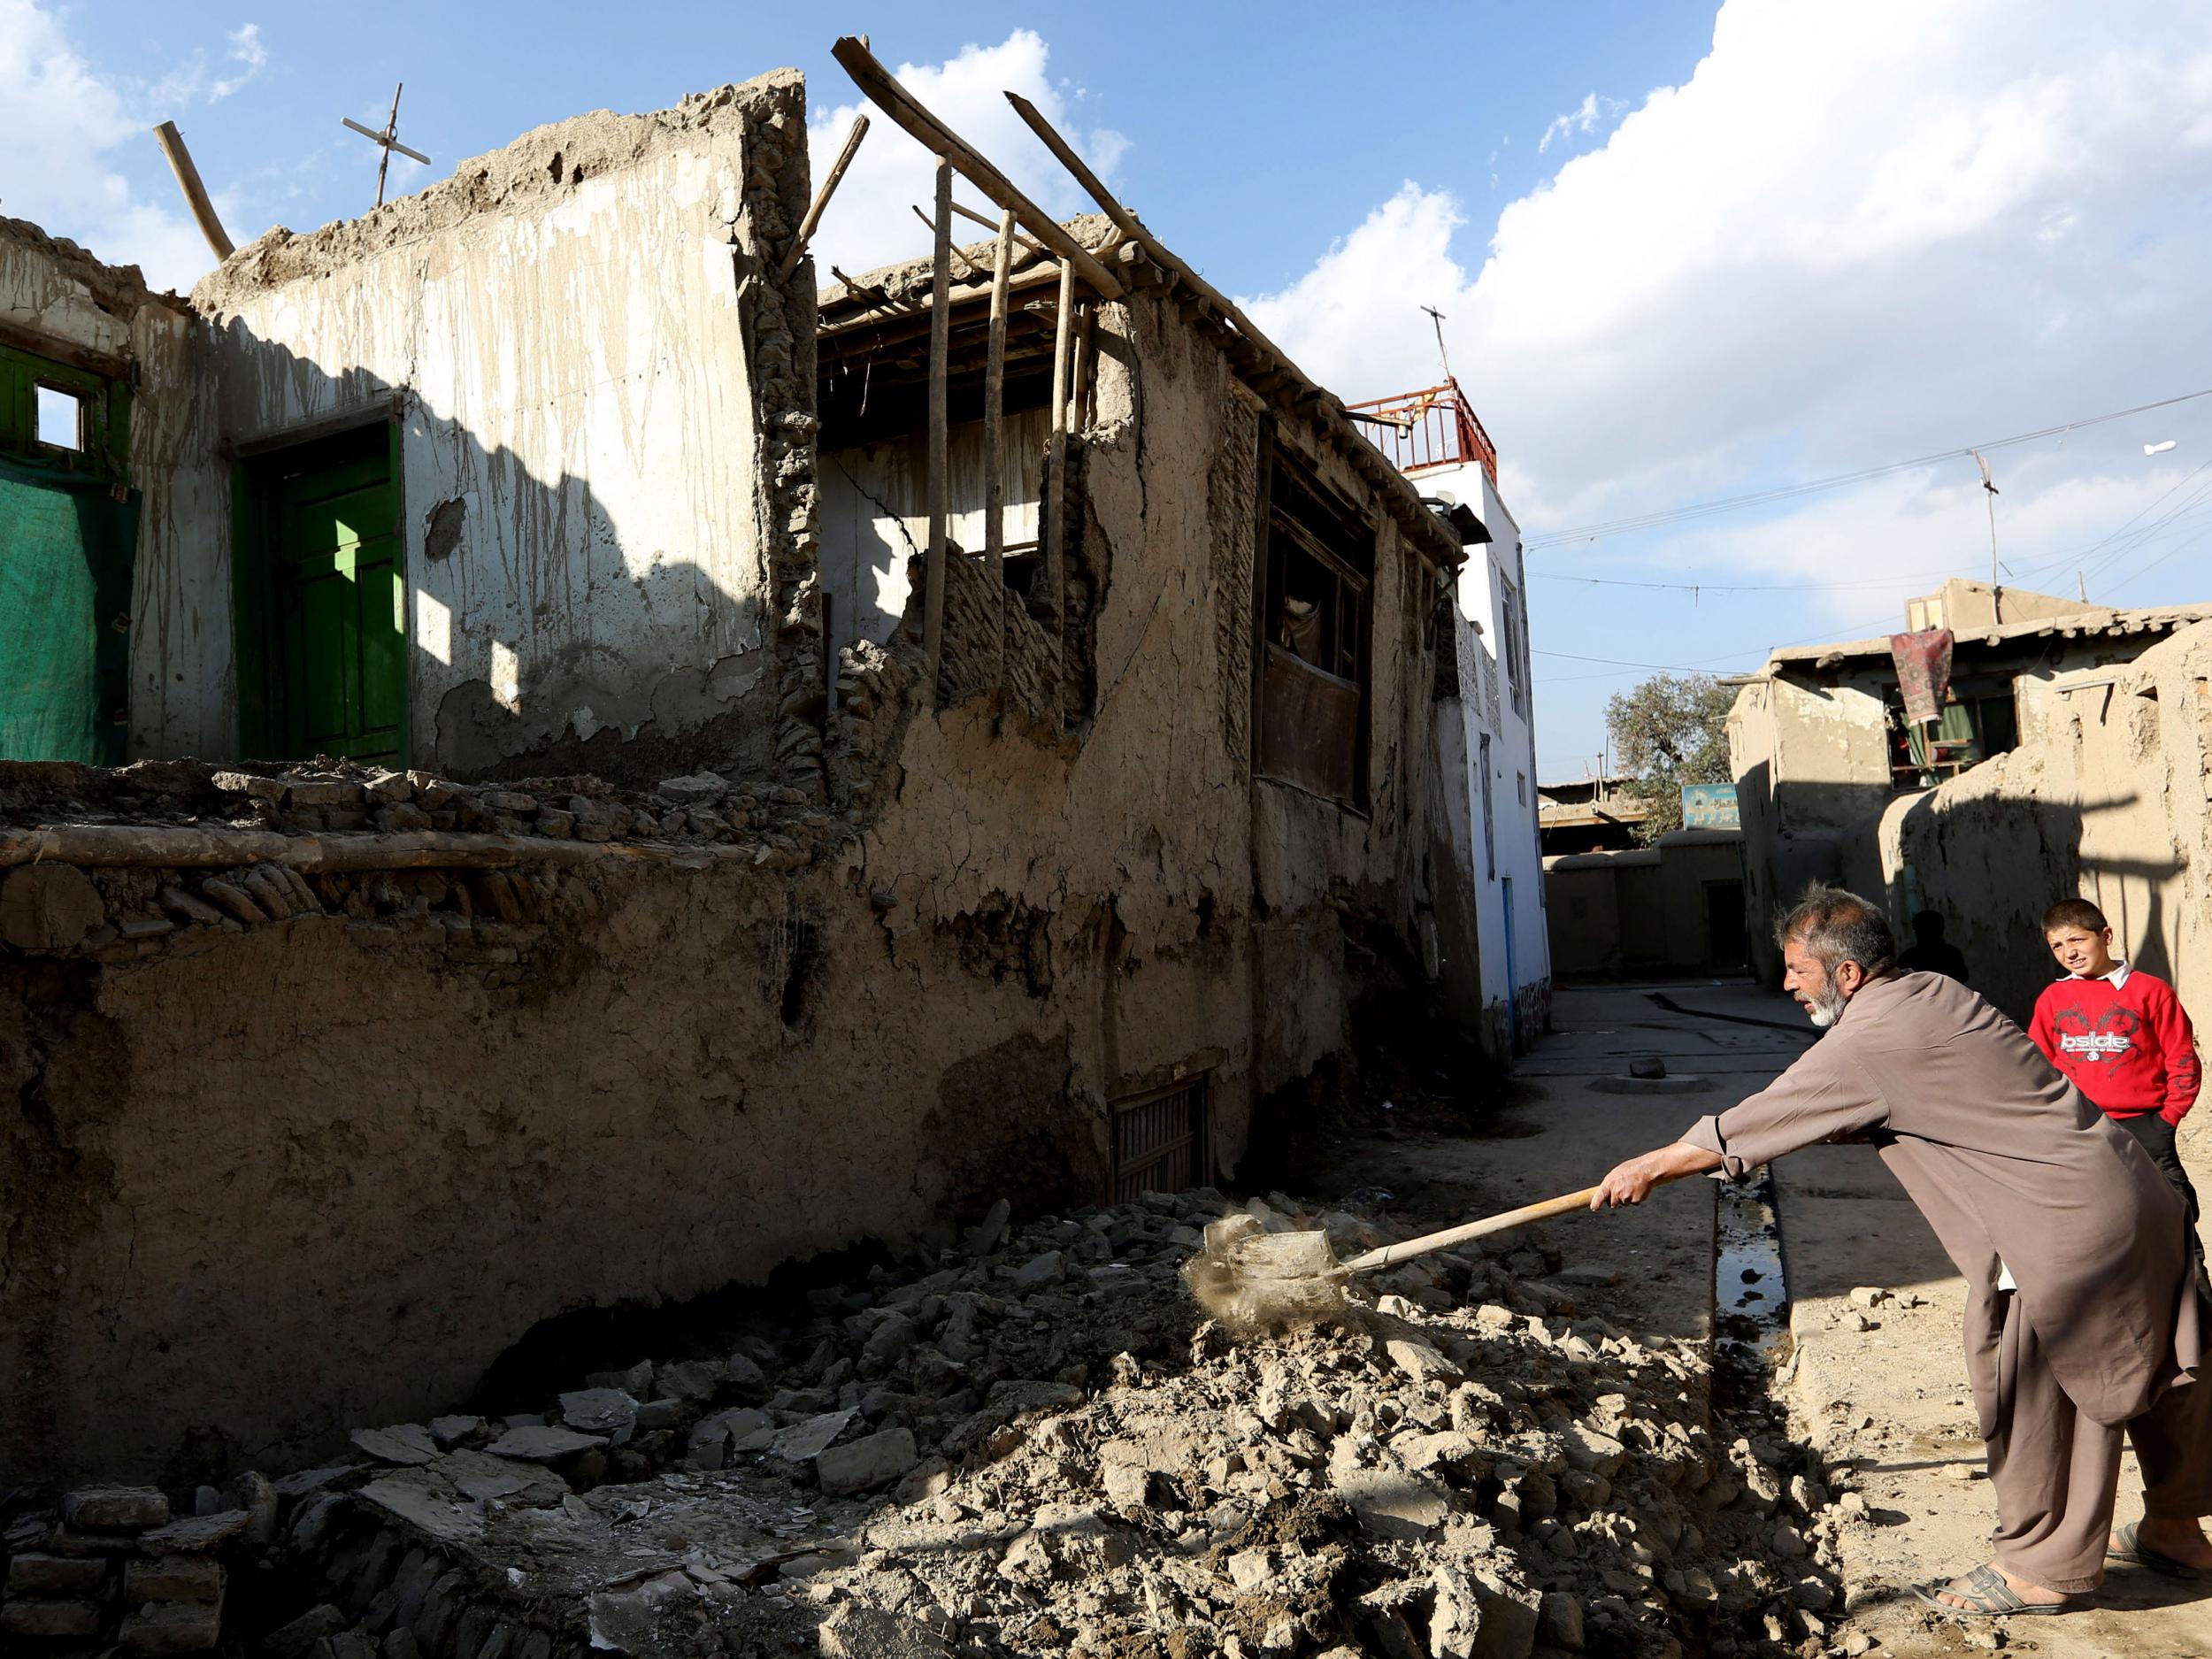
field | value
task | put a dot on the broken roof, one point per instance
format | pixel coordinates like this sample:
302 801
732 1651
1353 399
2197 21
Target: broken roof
901 291
2095 621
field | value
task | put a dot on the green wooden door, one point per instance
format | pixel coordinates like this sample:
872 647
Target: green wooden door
340 610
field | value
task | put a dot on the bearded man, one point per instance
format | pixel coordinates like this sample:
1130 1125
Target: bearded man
2082 1318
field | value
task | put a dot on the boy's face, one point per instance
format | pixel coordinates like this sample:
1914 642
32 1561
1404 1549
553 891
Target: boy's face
2080 951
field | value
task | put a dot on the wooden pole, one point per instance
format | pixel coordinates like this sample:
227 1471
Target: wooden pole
1031 244
967 268
1127 223
1086 364
1056 503
940 459
391 131
172 144
901 105
995 443
823 192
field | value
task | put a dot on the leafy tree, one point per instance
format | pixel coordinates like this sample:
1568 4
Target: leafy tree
1670 731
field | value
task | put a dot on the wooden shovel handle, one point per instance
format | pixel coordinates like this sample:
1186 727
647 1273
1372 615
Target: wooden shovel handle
1566 1204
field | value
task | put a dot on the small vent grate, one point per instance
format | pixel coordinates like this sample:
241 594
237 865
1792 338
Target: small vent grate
1160 1141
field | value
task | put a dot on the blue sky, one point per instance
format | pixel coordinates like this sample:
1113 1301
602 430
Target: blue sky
1687 253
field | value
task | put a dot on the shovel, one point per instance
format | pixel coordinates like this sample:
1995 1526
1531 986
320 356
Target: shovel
1250 1279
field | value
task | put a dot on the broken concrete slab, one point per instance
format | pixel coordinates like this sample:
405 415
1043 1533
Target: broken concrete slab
543 1443
402 1443
863 1465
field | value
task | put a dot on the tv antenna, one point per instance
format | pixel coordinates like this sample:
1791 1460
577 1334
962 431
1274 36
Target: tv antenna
1436 317
386 141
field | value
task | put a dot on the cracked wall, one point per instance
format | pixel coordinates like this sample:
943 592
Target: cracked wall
590 366
323 1169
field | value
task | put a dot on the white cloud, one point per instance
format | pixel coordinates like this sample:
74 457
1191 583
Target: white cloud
870 222
1582 121
1854 234
61 123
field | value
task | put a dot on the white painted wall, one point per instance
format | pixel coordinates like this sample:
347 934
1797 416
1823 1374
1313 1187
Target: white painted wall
1487 684
577 377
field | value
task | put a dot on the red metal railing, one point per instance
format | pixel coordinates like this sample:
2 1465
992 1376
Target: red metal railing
1434 428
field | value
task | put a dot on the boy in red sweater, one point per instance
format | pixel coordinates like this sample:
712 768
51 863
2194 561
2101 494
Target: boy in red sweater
2119 1035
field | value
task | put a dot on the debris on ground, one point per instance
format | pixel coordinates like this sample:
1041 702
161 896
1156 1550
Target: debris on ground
1030 1445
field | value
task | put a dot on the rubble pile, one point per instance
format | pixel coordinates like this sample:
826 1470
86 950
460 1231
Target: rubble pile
1032 1444
114 1570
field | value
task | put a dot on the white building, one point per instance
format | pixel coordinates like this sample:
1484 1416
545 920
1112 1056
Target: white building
1485 727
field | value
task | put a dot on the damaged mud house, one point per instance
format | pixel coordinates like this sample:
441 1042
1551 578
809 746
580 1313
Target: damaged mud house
552 768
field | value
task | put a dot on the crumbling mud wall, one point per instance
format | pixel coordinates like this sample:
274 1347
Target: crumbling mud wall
323 1107
2110 804
58 299
597 381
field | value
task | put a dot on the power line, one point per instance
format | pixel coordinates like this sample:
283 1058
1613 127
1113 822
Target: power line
1838 480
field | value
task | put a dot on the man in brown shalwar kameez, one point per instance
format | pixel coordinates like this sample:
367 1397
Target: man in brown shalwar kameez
2082 1316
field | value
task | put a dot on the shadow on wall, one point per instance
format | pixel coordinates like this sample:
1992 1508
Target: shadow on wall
1797 834
1991 866
507 626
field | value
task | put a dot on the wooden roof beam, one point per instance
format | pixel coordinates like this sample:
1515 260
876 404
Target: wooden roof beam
940 139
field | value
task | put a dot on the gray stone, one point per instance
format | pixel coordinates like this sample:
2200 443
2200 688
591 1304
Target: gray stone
1390 1501
700 788
855 1631
301 1482
802 1442
697 1379
508 1480
607 1411
408 1444
543 1445
1592 1451
294 1640
172 1627
1039 1271
246 784
1559 1621
51 1619
862 1465
172 1578
622 1621
1421 1361
637 1382
114 1509
55 1575
451 1431
984 1237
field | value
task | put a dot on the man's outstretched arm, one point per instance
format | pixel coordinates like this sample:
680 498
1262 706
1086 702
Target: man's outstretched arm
1628 1183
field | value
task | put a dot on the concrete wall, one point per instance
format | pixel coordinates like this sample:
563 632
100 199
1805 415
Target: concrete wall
323 1171
1515 971
580 338
182 692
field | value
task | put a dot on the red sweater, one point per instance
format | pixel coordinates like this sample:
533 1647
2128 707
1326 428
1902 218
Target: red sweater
2128 1047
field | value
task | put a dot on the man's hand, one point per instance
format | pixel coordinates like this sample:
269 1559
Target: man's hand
1632 1182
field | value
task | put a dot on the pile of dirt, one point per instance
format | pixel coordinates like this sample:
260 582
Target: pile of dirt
1030 1444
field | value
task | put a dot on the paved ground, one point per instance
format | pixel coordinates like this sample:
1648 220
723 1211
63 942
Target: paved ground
1891 1399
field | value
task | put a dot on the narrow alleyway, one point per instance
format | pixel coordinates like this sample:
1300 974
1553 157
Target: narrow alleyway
1871 1374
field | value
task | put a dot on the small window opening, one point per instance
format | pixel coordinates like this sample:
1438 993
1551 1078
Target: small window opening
61 419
